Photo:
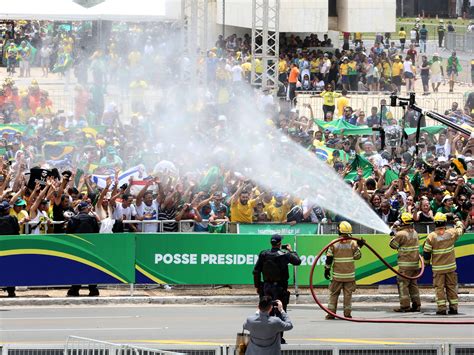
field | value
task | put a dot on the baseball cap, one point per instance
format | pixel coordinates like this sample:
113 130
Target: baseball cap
275 239
83 205
20 202
4 206
447 197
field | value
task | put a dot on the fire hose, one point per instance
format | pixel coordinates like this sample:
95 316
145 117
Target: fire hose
368 320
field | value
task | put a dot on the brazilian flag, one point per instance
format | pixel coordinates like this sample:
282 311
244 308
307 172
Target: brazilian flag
57 150
12 129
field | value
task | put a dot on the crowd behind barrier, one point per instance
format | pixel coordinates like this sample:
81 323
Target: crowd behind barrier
96 164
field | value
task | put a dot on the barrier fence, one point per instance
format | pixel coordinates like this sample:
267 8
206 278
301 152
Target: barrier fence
435 102
228 349
459 41
186 259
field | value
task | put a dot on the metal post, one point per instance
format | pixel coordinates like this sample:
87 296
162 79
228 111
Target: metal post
194 15
223 19
265 43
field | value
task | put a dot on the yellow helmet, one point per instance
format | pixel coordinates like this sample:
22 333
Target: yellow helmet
440 218
406 218
345 228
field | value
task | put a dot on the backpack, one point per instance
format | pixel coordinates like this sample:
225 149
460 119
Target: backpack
271 271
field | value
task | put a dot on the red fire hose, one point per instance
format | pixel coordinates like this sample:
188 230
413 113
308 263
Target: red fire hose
367 320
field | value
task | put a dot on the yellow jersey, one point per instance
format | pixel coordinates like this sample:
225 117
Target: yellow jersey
329 97
242 213
341 103
282 66
397 68
402 35
344 69
278 214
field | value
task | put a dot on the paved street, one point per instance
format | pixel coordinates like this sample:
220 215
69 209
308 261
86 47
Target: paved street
152 325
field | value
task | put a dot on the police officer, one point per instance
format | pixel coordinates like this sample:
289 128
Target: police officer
441 31
439 250
8 226
83 222
405 240
341 256
273 265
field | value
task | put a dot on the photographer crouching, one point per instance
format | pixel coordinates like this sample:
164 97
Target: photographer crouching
273 265
265 329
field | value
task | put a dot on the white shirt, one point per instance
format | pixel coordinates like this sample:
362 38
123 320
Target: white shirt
407 66
148 213
413 34
124 214
236 73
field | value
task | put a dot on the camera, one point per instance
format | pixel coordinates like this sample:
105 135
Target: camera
274 303
284 246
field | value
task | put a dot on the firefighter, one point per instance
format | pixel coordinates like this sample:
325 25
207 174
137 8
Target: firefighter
439 250
341 256
405 240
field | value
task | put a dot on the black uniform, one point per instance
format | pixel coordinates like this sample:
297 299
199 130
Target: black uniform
273 264
9 226
83 223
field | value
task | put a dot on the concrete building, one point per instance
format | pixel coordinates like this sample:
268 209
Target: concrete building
300 16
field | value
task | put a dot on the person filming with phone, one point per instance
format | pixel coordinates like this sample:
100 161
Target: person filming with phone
265 329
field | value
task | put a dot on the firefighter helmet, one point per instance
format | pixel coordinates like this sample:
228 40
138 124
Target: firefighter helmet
440 219
406 218
345 228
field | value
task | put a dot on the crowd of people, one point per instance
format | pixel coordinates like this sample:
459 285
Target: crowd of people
56 166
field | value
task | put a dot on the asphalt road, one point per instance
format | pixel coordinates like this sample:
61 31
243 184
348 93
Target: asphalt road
153 325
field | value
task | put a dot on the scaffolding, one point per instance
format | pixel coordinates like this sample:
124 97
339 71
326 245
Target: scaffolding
194 18
265 43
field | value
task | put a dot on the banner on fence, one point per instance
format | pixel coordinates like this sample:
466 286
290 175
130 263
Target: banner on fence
300 228
199 259
31 260
186 259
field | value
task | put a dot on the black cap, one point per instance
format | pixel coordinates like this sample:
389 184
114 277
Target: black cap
276 238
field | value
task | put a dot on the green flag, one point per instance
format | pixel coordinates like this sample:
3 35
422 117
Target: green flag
342 127
390 176
362 163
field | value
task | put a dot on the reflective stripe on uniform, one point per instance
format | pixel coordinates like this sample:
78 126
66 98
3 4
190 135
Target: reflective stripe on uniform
343 276
443 267
443 251
413 248
344 260
427 247
408 263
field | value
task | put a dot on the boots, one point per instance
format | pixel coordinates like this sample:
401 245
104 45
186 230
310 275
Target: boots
452 311
402 309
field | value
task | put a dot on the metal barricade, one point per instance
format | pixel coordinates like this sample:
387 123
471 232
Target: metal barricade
461 349
359 349
85 346
183 225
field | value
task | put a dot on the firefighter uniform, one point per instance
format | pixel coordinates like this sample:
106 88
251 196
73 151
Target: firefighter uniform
406 242
439 250
341 256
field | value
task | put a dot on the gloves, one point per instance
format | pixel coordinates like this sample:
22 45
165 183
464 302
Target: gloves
327 273
459 224
361 242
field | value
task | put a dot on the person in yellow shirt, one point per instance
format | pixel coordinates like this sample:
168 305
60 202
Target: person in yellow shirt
344 71
280 209
342 102
402 36
314 67
20 213
329 100
247 69
282 69
397 70
357 39
241 205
